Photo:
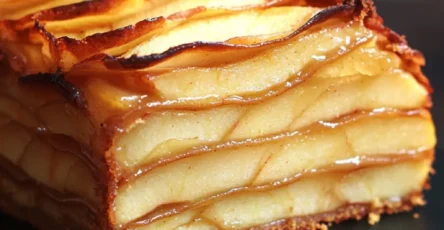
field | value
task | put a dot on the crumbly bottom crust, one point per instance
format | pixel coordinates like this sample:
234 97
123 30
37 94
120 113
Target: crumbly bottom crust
371 210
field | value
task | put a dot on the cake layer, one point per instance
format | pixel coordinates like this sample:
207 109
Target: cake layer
311 195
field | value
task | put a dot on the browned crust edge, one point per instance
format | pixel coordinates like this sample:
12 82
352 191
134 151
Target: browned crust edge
139 62
356 211
90 8
64 12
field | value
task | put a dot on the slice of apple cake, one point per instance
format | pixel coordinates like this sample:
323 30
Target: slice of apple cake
208 114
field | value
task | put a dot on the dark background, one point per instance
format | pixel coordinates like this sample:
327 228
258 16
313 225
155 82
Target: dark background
422 21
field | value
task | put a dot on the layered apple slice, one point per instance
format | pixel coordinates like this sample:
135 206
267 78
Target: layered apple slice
216 115
47 168
63 36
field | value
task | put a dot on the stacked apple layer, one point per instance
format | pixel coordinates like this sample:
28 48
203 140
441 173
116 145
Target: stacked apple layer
237 131
63 36
221 144
46 166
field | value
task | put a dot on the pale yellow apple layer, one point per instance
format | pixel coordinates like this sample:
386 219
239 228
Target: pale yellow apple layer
211 25
265 161
44 155
227 25
129 12
129 25
259 71
324 99
336 89
312 195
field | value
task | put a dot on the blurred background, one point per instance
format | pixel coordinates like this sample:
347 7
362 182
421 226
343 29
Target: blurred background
423 24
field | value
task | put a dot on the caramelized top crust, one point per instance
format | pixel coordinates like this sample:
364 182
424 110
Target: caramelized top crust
65 52
102 52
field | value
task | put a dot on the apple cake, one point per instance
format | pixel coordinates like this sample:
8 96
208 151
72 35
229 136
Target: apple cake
208 114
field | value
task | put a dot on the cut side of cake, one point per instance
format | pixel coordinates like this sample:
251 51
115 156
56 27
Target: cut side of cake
209 114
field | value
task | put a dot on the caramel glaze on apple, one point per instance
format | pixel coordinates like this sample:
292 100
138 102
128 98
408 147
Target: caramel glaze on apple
413 61
347 165
140 170
167 210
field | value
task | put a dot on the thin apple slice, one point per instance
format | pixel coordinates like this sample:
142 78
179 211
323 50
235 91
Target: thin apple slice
14 139
106 98
173 222
224 26
69 34
194 83
205 126
17 112
268 69
84 19
239 166
319 194
13 10
324 99
64 118
36 161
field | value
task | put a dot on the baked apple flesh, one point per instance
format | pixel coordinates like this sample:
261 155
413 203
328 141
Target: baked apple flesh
225 25
45 163
91 17
351 97
260 162
310 196
200 77
209 25
335 89
45 53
